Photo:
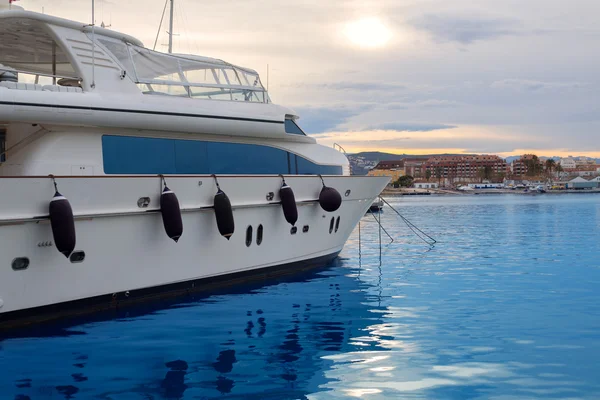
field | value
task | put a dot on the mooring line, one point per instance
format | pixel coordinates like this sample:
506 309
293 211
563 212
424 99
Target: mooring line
381 226
411 226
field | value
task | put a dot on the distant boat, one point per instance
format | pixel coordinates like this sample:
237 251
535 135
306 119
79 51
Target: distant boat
376 206
540 189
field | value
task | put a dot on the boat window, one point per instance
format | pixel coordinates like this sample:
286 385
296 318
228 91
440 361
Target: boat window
200 77
171 90
293 128
139 155
259 235
120 51
20 263
26 46
249 236
306 167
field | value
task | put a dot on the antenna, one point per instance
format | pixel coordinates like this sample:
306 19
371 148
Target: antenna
171 27
93 85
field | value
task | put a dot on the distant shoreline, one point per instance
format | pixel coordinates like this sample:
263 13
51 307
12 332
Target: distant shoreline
451 192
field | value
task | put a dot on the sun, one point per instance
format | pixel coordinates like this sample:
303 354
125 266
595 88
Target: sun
368 32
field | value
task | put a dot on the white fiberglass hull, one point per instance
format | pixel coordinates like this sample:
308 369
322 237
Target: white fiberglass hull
127 251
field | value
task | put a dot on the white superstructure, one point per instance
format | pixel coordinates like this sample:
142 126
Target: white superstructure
107 117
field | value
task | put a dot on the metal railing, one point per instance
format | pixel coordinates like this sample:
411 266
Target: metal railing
339 148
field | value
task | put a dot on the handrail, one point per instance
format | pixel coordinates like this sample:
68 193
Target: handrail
341 149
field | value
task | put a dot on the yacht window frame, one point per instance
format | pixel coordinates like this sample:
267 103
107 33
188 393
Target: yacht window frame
223 85
43 33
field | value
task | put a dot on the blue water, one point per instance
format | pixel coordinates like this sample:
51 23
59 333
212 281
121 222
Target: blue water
505 306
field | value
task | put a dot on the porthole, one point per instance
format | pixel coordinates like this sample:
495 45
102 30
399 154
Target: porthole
249 236
337 224
20 263
293 230
143 202
259 235
331 224
305 228
77 257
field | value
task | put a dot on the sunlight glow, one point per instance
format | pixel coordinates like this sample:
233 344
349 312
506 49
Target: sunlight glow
368 33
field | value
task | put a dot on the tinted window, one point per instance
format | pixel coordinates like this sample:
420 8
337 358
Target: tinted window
132 155
191 157
138 155
306 167
293 128
236 158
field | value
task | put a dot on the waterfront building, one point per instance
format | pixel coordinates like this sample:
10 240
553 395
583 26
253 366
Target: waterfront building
568 163
393 169
465 166
414 166
584 162
580 183
585 171
425 185
520 166
486 185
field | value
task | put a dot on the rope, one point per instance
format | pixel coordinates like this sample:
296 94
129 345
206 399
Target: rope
283 179
54 182
322 180
381 226
216 181
415 229
164 181
379 223
160 25
359 249
31 138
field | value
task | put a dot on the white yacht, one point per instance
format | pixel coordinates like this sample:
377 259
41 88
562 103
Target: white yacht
108 150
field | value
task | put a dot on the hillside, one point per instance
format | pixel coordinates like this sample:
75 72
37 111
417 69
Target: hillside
380 156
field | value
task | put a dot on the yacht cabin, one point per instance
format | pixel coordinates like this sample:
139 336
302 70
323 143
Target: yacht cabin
77 100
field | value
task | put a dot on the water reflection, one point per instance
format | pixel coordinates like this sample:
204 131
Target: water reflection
504 307
449 318
259 342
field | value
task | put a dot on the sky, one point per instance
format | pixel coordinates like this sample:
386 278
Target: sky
404 76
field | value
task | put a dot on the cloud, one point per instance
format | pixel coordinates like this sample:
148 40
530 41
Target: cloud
527 85
322 119
434 103
466 30
407 127
353 86
431 103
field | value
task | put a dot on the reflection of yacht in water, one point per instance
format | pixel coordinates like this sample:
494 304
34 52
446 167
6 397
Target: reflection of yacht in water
115 122
262 342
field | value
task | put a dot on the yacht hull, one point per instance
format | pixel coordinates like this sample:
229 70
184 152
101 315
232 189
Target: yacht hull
128 256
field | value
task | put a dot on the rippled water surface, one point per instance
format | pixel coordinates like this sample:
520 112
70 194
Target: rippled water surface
505 306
